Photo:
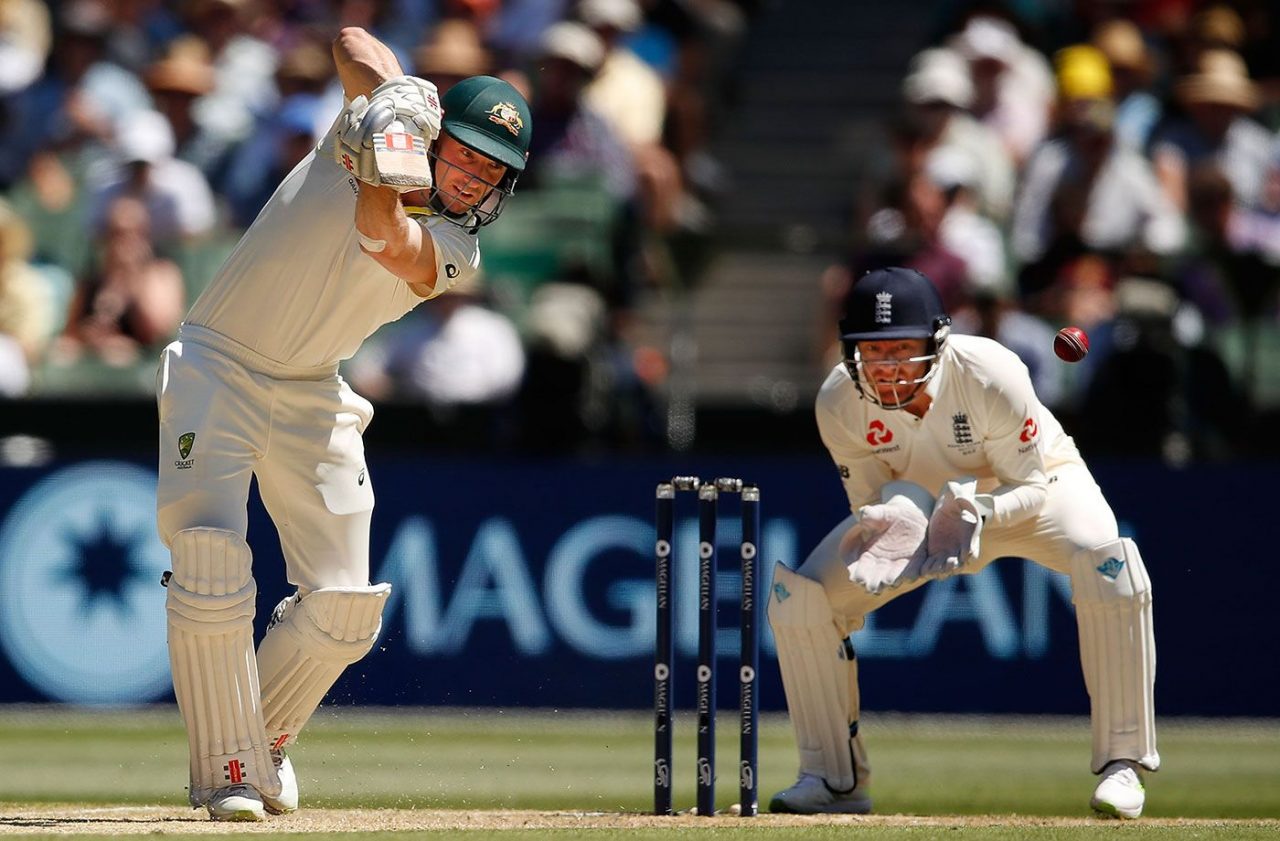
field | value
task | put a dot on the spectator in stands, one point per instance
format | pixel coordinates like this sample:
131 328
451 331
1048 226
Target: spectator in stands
1084 192
1138 109
907 231
458 353
1217 98
1155 366
74 107
631 96
1228 274
626 91
177 83
1013 86
573 141
131 301
964 231
262 161
26 305
178 198
452 52
243 67
994 313
939 91
25 37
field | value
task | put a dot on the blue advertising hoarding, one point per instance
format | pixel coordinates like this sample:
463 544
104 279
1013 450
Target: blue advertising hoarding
530 584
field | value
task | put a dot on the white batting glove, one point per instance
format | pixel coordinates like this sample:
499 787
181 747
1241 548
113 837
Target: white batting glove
955 530
887 546
383 140
416 103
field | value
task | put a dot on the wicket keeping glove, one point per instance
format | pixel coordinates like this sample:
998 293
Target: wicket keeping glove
887 544
955 529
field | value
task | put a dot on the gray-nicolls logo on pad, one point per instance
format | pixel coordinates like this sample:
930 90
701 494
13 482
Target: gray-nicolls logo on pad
884 308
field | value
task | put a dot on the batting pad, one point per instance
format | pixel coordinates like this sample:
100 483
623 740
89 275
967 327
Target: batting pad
1112 596
312 638
210 604
815 677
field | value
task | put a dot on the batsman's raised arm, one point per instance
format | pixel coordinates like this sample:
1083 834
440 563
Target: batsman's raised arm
399 244
363 62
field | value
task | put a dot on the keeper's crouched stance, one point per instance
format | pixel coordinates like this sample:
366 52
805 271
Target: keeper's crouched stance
915 412
384 214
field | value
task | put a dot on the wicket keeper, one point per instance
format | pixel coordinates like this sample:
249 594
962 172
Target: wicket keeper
383 214
950 461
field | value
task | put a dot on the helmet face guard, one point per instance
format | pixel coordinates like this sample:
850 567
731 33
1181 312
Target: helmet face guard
887 305
452 207
904 390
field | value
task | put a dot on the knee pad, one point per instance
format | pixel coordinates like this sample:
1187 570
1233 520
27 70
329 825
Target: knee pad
1109 572
312 638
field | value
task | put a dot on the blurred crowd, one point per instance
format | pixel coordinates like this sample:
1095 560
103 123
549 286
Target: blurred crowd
1112 164
139 138
1115 168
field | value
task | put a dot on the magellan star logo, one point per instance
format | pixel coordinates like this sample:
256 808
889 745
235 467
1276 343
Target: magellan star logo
508 116
186 441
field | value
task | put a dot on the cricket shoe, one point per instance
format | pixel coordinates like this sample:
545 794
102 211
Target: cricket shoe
236 803
1120 794
287 800
811 796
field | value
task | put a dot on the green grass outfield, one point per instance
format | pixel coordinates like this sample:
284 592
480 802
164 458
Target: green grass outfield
546 774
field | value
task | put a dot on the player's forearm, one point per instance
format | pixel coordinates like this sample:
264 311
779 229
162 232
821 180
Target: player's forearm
397 243
1011 504
363 62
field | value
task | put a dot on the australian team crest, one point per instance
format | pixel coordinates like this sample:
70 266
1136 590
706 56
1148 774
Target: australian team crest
508 116
186 441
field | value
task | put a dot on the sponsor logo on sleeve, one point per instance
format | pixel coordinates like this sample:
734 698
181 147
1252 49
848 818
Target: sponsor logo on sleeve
1030 435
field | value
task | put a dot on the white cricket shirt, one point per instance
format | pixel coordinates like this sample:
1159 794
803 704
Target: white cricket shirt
299 291
985 421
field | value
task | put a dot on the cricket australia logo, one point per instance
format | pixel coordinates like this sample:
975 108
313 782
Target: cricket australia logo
884 308
780 592
508 116
960 428
1110 569
186 441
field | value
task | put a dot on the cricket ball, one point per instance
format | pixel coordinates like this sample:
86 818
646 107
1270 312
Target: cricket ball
1071 344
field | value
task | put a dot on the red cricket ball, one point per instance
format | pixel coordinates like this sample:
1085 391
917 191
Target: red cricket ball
1071 344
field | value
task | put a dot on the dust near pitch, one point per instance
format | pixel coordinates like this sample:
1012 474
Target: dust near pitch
59 819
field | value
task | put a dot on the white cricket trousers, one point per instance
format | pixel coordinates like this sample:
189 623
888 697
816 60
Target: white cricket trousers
1075 517
227 414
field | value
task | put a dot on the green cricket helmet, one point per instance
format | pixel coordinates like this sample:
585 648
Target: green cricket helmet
489 116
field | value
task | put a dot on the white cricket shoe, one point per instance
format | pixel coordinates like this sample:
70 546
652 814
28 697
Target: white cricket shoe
1120 793
236 803
287 800
810 796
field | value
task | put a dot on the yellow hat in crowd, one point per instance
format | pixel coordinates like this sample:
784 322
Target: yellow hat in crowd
1083 73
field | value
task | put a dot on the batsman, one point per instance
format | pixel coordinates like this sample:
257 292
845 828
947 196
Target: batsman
383 214
950 461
